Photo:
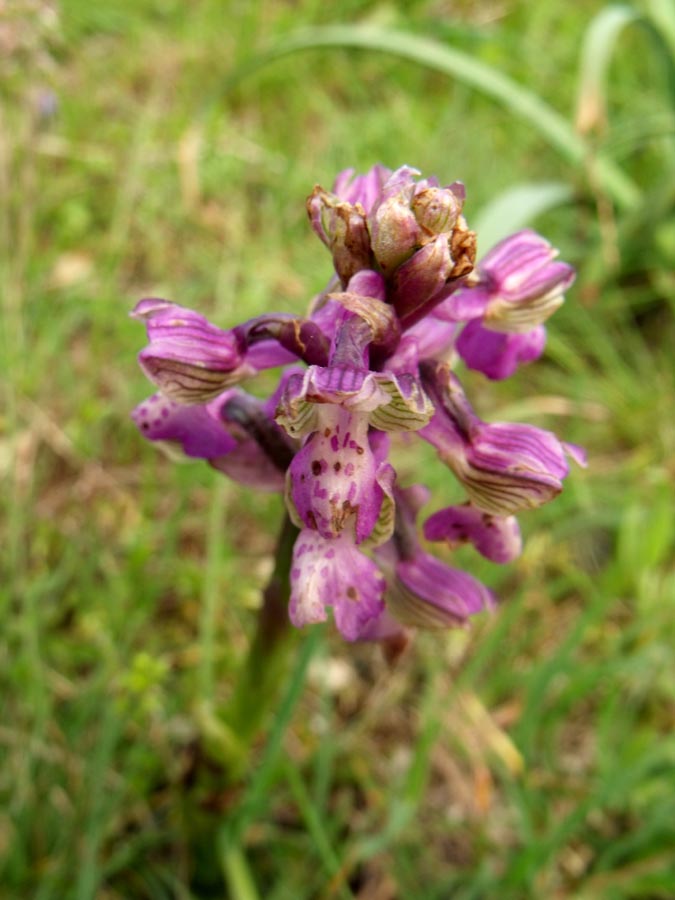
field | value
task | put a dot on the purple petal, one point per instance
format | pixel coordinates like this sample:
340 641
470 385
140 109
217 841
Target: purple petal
496 353
268 355
248 465
195 429
516 256
428 338
201 432
504 467
334 573
335 479
190 359
383 628
464 304
429 594
577 453
363 189
495 537
525 283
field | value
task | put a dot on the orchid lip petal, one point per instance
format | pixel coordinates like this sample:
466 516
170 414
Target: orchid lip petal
335 482
334 573
499 354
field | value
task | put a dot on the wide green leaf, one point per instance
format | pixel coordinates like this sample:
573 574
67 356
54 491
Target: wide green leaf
516 208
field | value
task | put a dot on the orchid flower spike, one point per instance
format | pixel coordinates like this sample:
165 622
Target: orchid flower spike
372 361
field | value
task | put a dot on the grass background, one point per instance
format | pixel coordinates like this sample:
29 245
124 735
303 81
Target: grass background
532 757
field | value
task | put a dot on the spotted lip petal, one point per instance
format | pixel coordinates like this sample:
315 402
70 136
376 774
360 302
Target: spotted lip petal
334 480
334 573
497 538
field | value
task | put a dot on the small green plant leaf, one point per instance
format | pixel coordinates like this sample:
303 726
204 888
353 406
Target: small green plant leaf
516 208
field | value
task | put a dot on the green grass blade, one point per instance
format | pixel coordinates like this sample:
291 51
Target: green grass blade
430 53
662 14
315 828
255 797
516 208
596 54
599 48
238 874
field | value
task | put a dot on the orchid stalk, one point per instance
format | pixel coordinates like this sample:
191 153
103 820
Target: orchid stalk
375 357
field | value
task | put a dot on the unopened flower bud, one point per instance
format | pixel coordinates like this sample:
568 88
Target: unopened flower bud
395 233
343 229
422 276
436 210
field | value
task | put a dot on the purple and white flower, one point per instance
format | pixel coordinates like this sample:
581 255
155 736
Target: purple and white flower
370 361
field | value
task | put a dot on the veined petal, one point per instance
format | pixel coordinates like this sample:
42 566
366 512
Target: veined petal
428 594
503 314
408 407
464 304
432 337
504 467
334 573
385 477
495 537
393 403
524 281
188 358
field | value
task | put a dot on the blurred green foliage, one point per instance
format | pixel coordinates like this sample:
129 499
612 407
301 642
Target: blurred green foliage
166 148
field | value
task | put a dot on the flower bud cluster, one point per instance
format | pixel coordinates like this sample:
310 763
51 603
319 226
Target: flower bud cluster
371 361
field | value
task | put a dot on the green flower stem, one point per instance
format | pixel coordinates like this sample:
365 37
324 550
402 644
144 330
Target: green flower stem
261 675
